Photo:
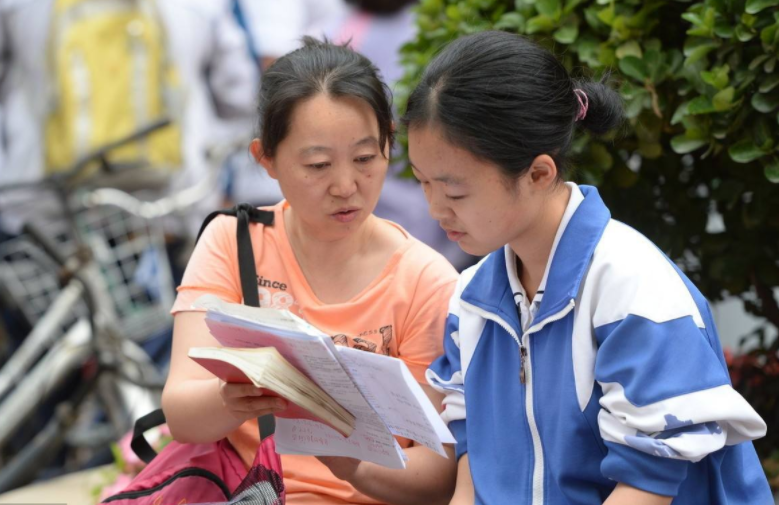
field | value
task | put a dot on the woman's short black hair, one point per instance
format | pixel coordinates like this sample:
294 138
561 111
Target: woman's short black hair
507 100
319 67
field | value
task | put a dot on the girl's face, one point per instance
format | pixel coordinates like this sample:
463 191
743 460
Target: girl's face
471 198
330 167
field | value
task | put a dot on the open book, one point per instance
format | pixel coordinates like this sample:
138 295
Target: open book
378 391
267 369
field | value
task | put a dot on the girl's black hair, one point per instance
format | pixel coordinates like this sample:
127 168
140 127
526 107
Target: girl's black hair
507 100
319 67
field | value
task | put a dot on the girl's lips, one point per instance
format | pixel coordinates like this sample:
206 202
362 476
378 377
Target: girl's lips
454 236
346 216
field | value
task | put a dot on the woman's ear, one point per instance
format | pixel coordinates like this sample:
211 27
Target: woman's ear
543 172
260 157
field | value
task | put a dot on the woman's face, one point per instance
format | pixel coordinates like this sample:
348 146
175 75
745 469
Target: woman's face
471 198
330 167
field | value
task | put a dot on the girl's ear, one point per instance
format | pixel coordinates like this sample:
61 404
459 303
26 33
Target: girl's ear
260 157
543 172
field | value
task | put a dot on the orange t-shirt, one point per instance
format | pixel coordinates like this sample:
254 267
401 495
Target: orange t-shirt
401 313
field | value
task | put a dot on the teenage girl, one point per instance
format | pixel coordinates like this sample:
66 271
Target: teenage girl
581 366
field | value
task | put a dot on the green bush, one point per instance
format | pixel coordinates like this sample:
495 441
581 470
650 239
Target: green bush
701 89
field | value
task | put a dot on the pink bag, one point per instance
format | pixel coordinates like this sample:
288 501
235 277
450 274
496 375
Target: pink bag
202 473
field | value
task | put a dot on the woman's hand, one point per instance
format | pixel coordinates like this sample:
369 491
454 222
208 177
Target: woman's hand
245 401
343 468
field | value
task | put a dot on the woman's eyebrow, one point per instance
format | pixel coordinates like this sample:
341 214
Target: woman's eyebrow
366 140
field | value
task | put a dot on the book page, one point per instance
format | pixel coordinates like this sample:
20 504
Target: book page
272 318
371 439
390 388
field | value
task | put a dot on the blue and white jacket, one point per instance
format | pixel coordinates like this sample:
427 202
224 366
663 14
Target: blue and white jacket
625 379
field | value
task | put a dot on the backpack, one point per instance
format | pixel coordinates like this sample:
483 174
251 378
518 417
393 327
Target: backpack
200 473
214 472
112 76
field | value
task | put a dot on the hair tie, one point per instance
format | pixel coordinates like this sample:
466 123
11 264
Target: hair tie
584 104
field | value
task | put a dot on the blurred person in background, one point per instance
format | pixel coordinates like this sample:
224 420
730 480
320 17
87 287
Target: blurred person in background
273 29
77 74
278 27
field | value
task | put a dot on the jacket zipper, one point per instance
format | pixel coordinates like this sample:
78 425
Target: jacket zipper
526 378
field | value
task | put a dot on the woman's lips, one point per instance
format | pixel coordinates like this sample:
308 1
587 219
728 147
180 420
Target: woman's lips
346 215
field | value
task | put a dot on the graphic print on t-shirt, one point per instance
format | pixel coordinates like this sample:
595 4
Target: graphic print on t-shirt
371 340
279 298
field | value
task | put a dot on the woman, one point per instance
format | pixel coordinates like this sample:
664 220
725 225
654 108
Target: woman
581 366
325 134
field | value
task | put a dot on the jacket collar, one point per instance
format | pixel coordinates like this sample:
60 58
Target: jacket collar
490 289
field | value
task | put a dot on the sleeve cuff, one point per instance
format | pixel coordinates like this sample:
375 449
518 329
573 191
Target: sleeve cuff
649 473
458 430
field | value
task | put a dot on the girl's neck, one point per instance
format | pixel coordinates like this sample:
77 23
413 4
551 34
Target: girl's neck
534 247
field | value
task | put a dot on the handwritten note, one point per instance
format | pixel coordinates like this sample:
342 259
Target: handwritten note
390 388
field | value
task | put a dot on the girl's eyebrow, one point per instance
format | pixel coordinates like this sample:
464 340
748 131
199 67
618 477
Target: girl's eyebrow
446 179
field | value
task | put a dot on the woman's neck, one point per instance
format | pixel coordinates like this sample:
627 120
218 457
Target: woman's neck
314 252
534 247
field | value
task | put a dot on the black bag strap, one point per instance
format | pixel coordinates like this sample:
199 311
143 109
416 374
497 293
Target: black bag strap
246 214
139 444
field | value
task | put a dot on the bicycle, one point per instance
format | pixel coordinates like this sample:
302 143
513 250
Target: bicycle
81 321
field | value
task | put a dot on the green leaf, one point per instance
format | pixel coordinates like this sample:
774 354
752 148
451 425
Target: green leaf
701 105
693 18
744 34
698 50
629 48
723 100
723 29
755 6
717 77
765 103
680 112
567 34
634 67
539 23
511 20
768 34
571 5
769 83
771 171
769 65
681 144
762 134
745 151
587 47
607 15
758 61
549 8
591 15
